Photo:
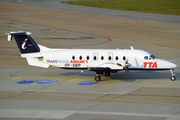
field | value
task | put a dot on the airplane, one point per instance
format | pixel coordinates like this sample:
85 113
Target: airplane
101 61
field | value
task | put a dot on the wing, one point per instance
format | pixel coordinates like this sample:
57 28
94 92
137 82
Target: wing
109 66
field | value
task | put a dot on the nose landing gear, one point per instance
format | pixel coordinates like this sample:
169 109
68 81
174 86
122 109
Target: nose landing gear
173 78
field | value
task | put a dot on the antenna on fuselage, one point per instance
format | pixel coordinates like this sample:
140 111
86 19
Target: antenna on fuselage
132 48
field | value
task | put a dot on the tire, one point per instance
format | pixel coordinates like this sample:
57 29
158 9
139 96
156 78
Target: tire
97 78
107 74
173 78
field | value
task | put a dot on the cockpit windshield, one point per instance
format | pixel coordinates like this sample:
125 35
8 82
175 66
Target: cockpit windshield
151 57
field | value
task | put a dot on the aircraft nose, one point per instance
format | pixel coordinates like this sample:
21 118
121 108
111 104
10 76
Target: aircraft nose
173 65
166 64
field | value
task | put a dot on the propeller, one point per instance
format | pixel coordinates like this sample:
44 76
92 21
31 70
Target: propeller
126 66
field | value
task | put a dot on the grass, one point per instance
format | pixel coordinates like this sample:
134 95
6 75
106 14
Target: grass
149 6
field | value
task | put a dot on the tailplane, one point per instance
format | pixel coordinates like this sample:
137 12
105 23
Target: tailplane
25 43
29 49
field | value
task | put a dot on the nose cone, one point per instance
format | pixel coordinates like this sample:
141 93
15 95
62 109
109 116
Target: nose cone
166 64
171 65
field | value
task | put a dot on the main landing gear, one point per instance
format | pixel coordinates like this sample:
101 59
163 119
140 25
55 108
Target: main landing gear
107 74
173 78
98 78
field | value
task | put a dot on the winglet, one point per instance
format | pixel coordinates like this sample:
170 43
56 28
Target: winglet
132 48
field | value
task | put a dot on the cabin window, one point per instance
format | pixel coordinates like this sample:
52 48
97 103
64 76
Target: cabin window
73 57
124 58
80 57
116 57
102 57
109 57
95 57
87 57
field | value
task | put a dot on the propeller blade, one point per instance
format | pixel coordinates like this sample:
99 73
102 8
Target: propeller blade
126 66
126 70
126 61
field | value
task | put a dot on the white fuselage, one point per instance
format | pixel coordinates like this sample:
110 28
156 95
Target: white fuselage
86 58
101 61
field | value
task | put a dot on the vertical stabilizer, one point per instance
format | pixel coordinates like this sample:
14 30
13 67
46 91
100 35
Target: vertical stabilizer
25 43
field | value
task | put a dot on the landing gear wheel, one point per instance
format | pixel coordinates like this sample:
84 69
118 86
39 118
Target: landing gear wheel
173 78
107 73
97 78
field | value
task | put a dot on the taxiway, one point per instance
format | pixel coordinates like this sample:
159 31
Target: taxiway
139 95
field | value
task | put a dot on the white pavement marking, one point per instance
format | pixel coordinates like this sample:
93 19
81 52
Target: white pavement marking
32 113
59 114
129 114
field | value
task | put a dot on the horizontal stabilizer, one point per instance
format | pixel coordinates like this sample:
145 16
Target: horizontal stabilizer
32 55
36 63
10 35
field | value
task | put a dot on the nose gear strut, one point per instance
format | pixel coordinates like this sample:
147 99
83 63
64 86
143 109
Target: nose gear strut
173 78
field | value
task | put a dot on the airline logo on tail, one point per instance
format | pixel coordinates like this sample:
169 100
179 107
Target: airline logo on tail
24 43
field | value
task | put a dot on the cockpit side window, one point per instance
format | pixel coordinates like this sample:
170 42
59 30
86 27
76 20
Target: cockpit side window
151 57
146 57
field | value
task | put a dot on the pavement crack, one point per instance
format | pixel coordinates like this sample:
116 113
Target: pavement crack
13 96
98 98
174 114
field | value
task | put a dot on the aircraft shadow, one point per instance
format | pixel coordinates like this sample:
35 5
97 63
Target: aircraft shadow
131 75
